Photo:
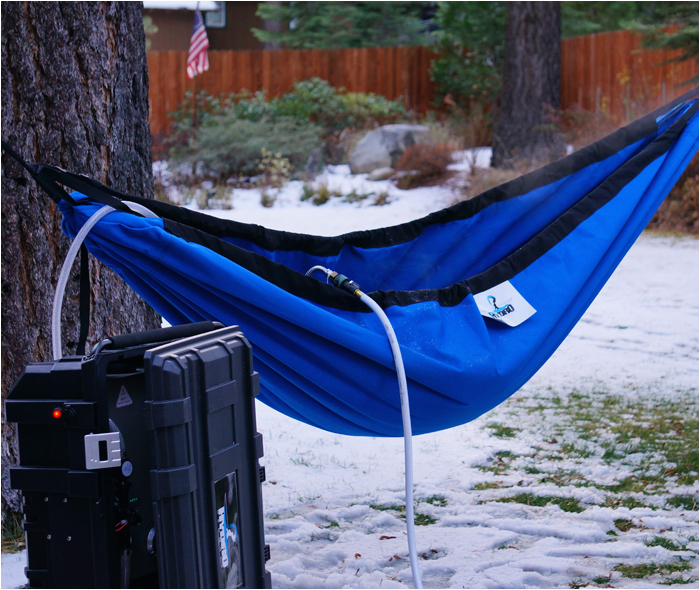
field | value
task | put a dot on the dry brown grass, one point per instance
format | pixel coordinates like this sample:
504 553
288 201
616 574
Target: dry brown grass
424 165
483 179
679 212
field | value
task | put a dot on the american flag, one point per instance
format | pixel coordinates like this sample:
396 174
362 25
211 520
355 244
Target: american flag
197 60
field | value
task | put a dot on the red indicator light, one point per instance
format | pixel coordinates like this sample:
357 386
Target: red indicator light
57 413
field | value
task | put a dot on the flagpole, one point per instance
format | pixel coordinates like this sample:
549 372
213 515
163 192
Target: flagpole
194 90
194 102
197 60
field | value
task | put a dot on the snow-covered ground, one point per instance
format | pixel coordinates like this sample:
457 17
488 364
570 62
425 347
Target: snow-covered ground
333 504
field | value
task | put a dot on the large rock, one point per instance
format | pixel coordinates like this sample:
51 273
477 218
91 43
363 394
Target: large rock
383 147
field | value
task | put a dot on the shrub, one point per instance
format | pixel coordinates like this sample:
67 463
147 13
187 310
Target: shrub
229 146
423 165
312 105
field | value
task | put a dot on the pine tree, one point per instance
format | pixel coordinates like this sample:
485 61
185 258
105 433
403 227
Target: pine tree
74 94
329 25
530 99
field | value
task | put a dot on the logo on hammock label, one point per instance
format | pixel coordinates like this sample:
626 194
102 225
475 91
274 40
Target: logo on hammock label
504 304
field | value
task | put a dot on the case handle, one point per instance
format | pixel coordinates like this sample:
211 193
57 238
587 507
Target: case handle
159 335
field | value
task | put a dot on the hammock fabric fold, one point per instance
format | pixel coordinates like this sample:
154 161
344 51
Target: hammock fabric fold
552 237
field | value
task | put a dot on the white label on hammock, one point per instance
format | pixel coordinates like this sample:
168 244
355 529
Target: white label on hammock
504 304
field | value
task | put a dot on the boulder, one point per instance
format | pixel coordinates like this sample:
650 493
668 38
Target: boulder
382 147
380 173
314 164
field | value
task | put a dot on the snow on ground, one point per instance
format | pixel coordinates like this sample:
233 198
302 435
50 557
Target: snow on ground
333 504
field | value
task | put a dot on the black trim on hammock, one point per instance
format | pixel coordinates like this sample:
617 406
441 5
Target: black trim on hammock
205 230
310 288
49 177
318 292
273 240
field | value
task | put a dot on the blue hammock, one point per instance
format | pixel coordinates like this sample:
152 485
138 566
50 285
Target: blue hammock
537 249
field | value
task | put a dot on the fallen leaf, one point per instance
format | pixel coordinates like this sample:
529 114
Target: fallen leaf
383 537
274 483
358 555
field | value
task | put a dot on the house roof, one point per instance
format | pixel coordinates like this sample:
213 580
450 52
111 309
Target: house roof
180 5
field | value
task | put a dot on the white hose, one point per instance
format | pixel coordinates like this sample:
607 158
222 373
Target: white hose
145 211
407 435
405 416
68 264
63 279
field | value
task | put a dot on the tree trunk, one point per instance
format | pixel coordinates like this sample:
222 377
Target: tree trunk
74 94
274 26
530 99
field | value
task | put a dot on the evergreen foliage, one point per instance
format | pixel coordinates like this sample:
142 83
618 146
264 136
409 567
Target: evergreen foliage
229 145
470 38
660 34
331 25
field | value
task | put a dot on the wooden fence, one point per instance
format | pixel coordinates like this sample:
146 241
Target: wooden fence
390 71
608 73
603 73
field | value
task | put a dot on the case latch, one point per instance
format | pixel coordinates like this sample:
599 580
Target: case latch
102 450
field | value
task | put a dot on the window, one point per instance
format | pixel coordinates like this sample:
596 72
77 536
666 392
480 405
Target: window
216 19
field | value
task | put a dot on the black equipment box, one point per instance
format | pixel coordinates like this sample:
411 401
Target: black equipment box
139 464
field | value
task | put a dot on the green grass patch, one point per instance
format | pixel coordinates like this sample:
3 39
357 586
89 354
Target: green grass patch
572 450
389 507
629 484
630 502
566 504
637 572
678 580
487 485
301 461
601 580
499 463
437 500
502 431
625 525
565 478
685 502
421 519
663 542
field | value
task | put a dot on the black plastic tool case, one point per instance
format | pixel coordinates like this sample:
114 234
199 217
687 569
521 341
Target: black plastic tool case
153 454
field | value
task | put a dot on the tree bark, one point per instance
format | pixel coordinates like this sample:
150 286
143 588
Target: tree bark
74 94
530 98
